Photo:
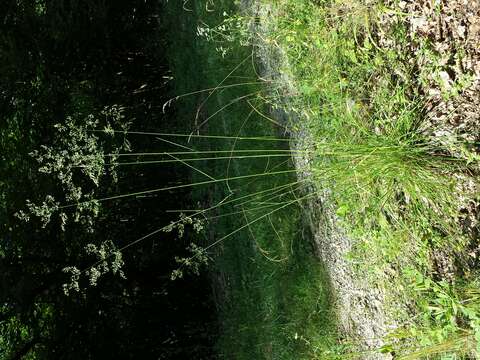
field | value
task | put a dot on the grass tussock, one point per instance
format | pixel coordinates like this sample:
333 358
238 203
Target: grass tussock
396 189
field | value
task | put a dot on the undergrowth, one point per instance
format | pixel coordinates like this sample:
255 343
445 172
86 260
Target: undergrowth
273 295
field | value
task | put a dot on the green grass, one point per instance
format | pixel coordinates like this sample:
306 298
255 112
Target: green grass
274 296
395 189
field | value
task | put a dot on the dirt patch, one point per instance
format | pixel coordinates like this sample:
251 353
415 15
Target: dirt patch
443 42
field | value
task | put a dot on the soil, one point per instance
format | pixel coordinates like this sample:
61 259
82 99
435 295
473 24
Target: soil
450 32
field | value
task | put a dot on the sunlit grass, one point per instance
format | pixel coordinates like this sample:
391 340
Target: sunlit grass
395 190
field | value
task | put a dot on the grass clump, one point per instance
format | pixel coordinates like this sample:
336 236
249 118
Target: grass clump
396 188
273 295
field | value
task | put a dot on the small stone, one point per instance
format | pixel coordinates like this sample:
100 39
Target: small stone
447 82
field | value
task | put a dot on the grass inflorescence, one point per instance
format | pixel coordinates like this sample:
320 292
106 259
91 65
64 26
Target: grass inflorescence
396 190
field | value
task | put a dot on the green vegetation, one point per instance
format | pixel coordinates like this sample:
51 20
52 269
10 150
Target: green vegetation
151 203
69 288
273 293
396 188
